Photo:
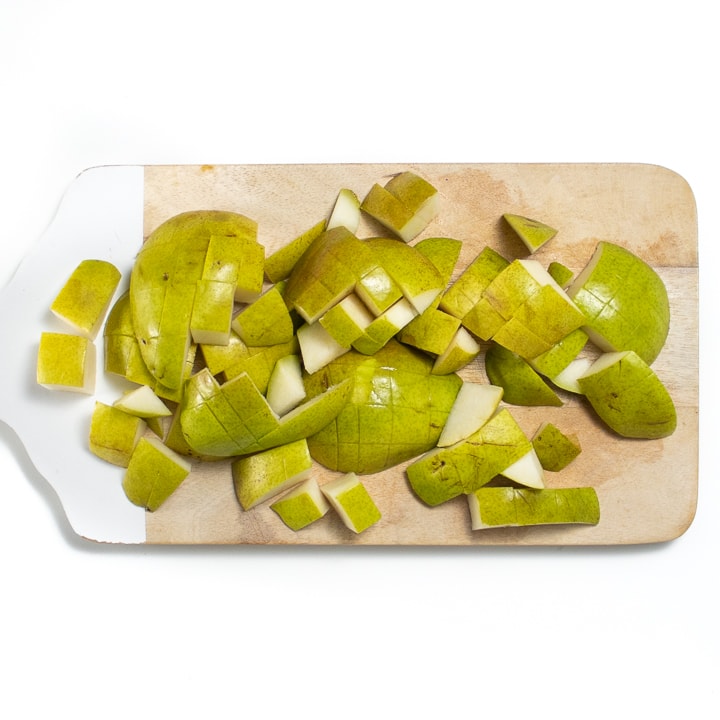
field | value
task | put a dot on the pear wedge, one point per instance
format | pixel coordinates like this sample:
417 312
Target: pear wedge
280 264
533 233
345 212
474 405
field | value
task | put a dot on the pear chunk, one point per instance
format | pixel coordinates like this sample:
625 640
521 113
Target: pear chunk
142 402
302 505
474 405
345 212
266 321
114 434
351 500
285 388
66 362
527 470
555 449
280 264
533 233
86 296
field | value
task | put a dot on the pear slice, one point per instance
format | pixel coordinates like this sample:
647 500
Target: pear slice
261 476
318 347
212 312
474 405
553 361
352 502
280 264
286 389
560 273
461 351
527 470
628 396
302 505
142 402
153 474
522 385
405 205
555 449
624 300
445 473
66 362
86 296
266 321
345 212
494 507
567 379
114 434
533 233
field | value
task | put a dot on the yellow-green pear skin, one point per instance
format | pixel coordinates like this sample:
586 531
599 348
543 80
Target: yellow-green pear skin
280 264
163 281
442 252
302 505
346 321
628 396
560 273
212 312
86 296
495 507
258 477
533 233
432 331
351 500
445 473
114 434
624 300
396 410
553 361
239 261
153 474
66 362
555 449
266 321
521 384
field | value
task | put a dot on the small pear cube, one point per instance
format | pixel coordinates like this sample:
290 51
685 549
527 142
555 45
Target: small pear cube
212 312
527 470
345 212
442 252
114 434
86 296
259 477
474 405
494 507
66 362
154 473
142 402
280 264
285 388
555 449
318 347
383 328
432 331
628 396
461 351
302 505
533 233
267 321
347 320
351 500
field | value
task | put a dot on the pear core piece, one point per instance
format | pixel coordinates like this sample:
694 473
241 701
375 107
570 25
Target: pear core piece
86 296
493 507
302 505
153 473
351 500
554 448
624 300
628 396
474 405
114 434
533 233
258 477
66 362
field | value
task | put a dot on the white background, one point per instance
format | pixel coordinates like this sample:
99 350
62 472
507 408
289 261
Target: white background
109 632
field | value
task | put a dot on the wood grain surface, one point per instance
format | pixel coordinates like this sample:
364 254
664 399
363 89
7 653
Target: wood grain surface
647 488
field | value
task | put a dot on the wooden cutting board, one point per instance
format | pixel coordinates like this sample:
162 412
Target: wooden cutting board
647 489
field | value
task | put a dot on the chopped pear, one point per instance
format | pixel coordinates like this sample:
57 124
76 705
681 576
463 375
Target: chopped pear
266 321
318 347
261 476
384 327
142 402
561 274
302 505
567 379
494 507
239 261
86 296
555 449
280 264
461 351
345 212
432 331
624 300
628 396
351 500
512 286
114 434
533 233
553 361
347 320
212 312
286 389
474 405
406 205
66 362
527 470
154 473
443 253
445 473
522 385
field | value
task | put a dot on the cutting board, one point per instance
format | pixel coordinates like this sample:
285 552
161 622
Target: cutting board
647 488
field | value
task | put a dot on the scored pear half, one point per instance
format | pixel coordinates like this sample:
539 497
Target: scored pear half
624 300
261 476
302 505
352 502
474 405
405 205
66 362
495 507
86 296
628 396
533 233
